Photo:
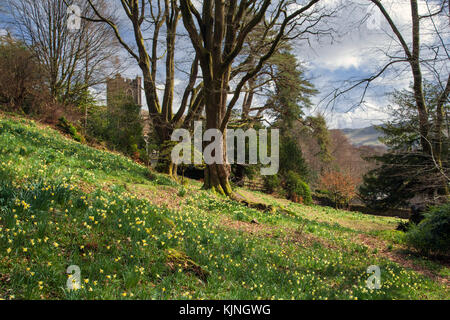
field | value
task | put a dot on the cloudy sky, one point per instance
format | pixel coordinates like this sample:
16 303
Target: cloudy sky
355 50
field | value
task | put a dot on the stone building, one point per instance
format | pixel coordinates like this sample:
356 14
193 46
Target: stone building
119 88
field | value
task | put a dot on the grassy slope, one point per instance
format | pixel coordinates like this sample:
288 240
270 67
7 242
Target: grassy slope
63 203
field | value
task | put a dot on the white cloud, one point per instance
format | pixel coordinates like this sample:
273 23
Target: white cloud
371 114
358 50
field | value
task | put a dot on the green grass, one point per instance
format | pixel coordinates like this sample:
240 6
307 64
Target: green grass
63 203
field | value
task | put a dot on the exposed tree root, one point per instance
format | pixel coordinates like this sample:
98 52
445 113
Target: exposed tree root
177 259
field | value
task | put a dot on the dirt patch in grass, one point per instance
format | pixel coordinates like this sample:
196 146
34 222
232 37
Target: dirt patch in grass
399 256
163 196
247 227
307 240
86 187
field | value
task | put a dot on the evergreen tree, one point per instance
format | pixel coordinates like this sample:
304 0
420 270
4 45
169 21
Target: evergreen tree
405 171
292 94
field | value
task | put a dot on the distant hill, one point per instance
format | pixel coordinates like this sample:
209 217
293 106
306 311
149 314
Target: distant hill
364 136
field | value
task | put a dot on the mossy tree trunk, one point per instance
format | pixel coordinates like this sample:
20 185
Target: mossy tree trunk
215 94
165 163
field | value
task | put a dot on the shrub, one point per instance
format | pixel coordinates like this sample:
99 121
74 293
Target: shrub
323 198
291 158
432 235
340 186
70 129
124 127
297 190
20 77
165 157
271 183
120 127
182 192
403 226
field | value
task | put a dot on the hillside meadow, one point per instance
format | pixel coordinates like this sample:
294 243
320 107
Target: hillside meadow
136 234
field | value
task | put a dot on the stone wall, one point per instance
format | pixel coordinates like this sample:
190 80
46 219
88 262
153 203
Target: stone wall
119 88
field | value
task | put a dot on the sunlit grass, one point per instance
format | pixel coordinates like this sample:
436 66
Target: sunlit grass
63 203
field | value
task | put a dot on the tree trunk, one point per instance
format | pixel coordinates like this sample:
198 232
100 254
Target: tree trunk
165 164
164 132
217 175
158 120
439 134
424 126
217 179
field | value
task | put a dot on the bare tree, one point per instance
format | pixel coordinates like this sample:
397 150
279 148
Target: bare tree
412 53
152 18
73 60
20 76
218 33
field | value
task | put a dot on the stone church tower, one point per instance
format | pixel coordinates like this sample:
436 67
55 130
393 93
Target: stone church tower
119 88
